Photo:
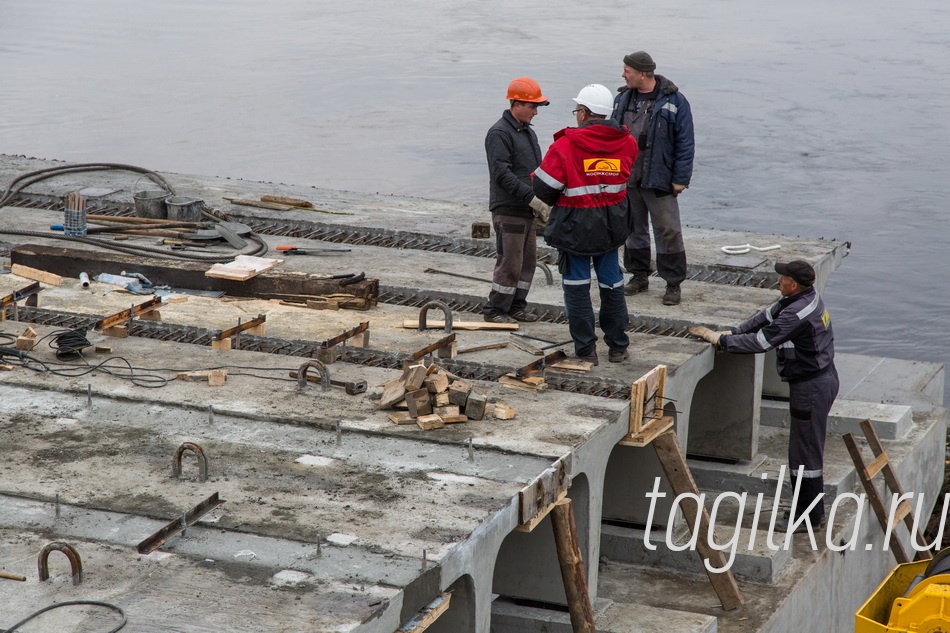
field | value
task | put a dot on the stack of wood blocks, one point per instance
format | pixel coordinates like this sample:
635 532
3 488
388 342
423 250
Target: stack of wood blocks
432 397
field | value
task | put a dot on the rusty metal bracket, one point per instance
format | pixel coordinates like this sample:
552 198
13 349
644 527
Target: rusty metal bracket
445 341
75 562
128 315
540 364
202 460
22 293
324 375
347 335
445 310
237 329
187 519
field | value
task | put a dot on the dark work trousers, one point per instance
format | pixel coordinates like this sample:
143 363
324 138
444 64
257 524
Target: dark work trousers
516 244
614 319
809 403
664 212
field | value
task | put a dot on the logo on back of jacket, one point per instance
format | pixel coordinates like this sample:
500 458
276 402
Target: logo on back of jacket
601 166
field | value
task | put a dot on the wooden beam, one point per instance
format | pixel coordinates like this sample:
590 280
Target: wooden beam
429 614
179 273
126 315
681 480
572 567
35 274
413 324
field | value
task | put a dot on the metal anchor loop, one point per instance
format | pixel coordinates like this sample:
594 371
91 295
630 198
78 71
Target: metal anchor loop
320 367
445 311
75 562
202 460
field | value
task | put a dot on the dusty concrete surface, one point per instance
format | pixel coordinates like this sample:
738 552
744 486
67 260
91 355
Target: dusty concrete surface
358 528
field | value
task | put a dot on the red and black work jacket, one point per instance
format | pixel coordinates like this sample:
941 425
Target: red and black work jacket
584 178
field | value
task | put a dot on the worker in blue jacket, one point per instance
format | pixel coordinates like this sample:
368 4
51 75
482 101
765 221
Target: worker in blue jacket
798 328
659 118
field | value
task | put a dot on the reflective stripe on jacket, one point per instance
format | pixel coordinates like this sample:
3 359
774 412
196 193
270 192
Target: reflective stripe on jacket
584 178
670 146
797 327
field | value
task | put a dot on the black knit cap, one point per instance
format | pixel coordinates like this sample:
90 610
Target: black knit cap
641 61
800 271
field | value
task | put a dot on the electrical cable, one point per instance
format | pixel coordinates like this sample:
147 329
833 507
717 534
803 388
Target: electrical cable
67 603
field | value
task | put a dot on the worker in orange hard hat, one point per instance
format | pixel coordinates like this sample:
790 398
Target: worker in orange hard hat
513 154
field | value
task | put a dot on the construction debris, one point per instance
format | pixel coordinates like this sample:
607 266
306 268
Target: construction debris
243 267
432 397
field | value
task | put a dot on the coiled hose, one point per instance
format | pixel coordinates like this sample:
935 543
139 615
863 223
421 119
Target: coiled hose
21 182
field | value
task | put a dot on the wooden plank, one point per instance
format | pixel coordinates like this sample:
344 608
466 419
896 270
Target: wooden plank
293 202
261 204
401 417
126 315
413 324
429 614
648 432
681 480
43 276
572 567
535 521
243 267
876 466
479 348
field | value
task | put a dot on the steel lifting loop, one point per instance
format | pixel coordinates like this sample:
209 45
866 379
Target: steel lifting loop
202 460
75 563
445 311
548 276
320 367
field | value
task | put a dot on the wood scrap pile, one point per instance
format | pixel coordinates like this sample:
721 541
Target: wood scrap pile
432 397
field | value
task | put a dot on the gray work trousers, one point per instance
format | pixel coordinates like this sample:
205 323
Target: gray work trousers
664 212
516 246
809 403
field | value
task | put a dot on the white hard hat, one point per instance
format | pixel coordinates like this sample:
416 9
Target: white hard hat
596 98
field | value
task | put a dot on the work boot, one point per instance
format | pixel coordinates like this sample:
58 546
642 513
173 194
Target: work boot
498 317
524 317
672 295
618 356
587 358
638 283
782 524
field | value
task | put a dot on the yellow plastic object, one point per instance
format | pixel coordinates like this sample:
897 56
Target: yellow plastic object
925 610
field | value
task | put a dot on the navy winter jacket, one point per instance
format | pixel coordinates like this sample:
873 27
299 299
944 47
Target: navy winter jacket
513 154
669 149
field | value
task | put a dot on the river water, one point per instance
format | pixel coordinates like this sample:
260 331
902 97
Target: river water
813 118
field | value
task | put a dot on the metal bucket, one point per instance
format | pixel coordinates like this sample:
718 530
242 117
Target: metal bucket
184 209
151 204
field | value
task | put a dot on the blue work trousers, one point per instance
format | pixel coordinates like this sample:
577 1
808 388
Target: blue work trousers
614 318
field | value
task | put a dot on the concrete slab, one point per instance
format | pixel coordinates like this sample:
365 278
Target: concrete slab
890 420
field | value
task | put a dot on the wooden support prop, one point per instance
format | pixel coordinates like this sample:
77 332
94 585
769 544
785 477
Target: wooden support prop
429 614
117 331
127 315
47 278
221 346
646 408
428 349
247 325
572 567
866 473
478 348
347 335
214 377
681 480
26 341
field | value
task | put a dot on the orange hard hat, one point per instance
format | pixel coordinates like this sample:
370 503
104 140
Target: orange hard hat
526 89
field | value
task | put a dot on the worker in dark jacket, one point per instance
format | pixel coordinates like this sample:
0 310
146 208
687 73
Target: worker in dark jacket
513 154
659 117
798 327
584 176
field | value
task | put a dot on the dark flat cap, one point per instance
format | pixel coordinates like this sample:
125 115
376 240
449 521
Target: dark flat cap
641 61
799 270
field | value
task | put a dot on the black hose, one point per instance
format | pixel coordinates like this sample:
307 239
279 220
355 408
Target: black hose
33 177
95 603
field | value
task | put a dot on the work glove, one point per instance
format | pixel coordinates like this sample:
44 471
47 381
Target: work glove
703 332
678 188
541 210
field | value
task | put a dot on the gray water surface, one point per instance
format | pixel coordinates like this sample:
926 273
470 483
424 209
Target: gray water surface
821 119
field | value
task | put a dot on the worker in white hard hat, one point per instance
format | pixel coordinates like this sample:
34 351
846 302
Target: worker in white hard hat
584 177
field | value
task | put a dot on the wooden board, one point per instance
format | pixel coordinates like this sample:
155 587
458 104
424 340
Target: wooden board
429 614
243 267
413 324
648 432
261 204
36 275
